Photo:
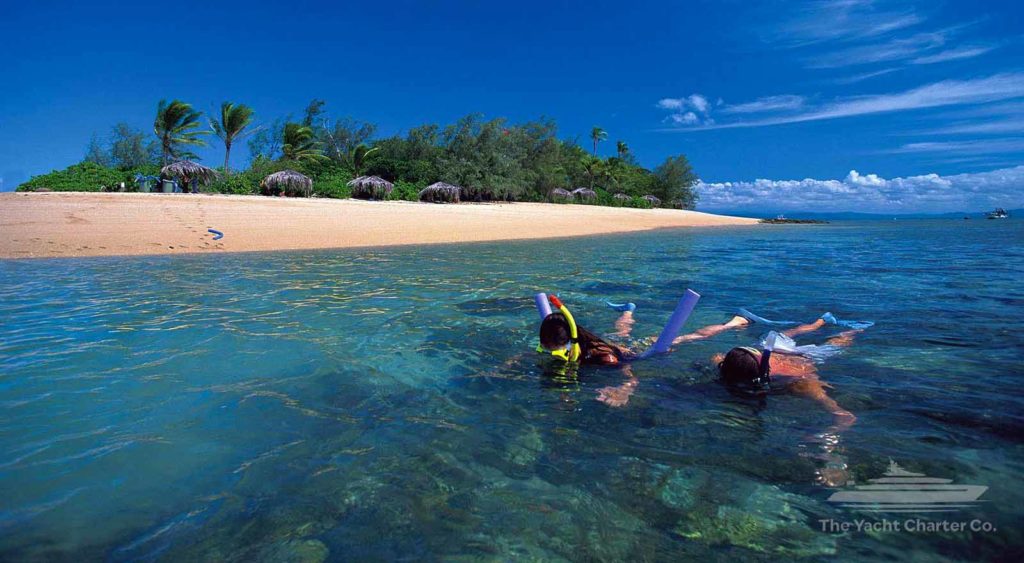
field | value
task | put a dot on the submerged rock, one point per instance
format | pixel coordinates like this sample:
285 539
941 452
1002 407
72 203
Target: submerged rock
524 448
294 551
766 520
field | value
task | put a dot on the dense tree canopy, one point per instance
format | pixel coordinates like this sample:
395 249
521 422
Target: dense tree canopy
490 159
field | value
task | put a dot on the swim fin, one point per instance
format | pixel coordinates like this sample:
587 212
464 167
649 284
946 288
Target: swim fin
761 320
621 307
856 325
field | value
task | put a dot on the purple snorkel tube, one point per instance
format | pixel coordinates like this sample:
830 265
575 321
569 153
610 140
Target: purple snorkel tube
543 307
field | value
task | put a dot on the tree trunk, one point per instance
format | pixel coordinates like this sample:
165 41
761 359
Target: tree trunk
227 155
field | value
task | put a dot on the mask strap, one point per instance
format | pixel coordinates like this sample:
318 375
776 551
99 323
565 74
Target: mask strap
766 355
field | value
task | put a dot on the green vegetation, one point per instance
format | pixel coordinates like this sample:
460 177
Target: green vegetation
232 125
81 177
491 160
597 135
175 126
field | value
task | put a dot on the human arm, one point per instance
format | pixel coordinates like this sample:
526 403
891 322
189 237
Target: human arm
813 388
711 330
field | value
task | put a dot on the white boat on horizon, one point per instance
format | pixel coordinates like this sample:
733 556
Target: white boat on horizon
904 491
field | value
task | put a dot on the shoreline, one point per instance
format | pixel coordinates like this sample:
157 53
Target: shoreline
89 224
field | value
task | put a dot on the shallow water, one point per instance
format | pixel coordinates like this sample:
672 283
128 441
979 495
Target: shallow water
384 404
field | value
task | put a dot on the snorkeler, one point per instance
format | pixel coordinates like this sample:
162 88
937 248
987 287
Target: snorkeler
562 337
787 368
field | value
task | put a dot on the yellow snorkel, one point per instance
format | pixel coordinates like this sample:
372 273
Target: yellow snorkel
572 351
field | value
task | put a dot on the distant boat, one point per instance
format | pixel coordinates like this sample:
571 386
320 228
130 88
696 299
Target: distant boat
903 491
998 214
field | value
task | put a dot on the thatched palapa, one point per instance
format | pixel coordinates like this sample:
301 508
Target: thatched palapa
288 182
652 199
370 187
440 192
187 171
559 193
585 194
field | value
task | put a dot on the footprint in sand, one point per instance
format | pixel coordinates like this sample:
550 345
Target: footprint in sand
74 220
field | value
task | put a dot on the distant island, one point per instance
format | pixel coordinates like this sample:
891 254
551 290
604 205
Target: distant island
784 221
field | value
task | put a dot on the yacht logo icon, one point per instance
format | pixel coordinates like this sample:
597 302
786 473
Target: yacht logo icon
902 491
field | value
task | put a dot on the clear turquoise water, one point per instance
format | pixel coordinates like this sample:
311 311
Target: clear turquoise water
383 404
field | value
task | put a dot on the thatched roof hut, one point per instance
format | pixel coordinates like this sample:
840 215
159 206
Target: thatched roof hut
584 193
623 197
370 187
288 182
559 193
187 171
652 199
440 192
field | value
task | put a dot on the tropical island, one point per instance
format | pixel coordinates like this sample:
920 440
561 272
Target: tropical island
338 185
472 159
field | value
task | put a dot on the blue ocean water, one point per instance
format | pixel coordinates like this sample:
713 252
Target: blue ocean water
385 404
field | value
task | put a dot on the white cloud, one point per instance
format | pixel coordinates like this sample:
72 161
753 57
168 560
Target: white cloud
671 103
952 55
700 103
870 193
768 103
865 76
892 50
946 93
684 111
858 180
687 118
841 20
980 146
1011 125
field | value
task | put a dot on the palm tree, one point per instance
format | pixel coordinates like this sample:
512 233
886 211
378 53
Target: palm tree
234 118
300 144
175 126
622 149
597 135
359 155
591 167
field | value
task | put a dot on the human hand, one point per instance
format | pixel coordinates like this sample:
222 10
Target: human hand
616 396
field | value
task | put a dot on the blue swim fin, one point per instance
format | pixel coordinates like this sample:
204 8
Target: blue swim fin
621 307
761 320
856 325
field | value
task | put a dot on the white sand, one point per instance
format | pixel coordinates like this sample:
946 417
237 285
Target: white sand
104 224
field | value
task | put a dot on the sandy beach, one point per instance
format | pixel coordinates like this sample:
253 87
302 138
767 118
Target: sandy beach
37 225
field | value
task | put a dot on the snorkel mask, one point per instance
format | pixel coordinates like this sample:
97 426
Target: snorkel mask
761 383
571 352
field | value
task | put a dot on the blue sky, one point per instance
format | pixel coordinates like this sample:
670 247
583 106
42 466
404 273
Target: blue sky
851 105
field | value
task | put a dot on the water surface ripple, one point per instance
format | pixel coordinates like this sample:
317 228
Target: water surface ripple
384 404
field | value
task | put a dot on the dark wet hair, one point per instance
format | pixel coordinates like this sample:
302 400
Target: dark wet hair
741 367
554 331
